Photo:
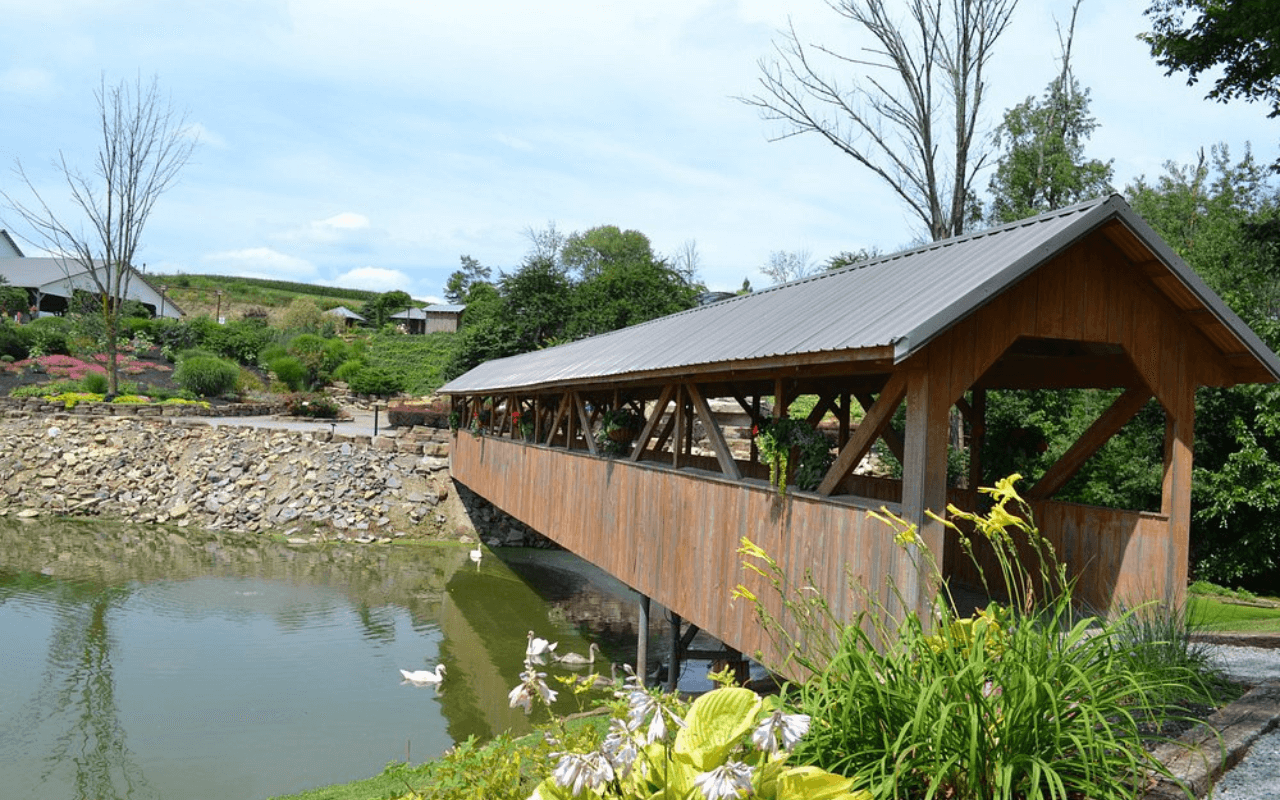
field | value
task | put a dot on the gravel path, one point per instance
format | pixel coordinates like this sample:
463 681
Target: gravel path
1257 776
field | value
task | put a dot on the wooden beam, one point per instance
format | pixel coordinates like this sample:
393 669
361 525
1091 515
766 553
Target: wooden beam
1103 428
872 425
700 406
580 405
562 409
655 416
891 438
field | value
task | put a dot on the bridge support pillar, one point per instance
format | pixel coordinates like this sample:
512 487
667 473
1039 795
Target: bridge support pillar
642 641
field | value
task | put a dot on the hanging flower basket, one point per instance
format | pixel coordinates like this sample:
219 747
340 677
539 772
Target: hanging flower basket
795 452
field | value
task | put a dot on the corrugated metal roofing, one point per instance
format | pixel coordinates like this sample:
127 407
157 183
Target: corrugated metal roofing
900 301
446 308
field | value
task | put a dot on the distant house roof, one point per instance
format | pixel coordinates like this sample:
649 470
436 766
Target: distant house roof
445 308
894 306
345 313
61 277
8 247
410 313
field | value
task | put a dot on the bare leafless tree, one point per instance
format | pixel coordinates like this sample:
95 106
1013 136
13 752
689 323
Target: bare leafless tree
909 110
784 265
144 145
687 261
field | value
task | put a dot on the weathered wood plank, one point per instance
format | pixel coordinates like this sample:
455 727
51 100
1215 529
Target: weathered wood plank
727 465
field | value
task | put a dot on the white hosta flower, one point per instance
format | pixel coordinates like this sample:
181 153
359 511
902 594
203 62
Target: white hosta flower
576 771
726 782
780 731
645 707
620 747
531 683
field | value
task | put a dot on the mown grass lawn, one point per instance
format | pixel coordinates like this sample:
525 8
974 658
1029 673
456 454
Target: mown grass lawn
1214 614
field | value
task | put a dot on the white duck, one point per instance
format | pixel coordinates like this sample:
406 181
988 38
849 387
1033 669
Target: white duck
539 649
424 676
578 660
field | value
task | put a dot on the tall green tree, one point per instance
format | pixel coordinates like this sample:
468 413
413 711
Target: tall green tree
1241 38
1223 217
461 280
378 310
1042 166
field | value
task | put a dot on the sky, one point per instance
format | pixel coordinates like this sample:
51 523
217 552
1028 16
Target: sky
371 144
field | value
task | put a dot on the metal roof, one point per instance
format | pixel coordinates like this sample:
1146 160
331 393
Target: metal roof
345 313
896 304
445 308
61 276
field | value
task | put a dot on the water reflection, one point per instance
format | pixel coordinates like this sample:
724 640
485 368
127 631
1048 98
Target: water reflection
213 664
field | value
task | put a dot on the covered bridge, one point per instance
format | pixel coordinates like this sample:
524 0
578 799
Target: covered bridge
1084 297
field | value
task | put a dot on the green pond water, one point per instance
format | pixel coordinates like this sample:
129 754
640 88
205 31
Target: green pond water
138 662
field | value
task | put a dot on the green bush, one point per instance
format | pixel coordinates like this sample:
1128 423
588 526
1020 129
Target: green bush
207 376
376 381
289 371
308 404
13 341
240 340
94 382
1015 702
49 335
347 369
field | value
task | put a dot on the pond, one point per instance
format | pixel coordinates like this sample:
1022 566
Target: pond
150 663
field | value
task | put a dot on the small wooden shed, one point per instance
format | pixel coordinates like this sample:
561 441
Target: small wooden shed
1087 296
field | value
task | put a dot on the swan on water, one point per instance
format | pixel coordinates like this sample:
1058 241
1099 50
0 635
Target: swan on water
539 649
578 660
421 676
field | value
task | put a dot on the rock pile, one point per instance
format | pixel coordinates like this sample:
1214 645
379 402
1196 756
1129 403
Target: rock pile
228 478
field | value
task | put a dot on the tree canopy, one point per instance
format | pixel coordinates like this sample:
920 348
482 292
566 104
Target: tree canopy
569 287
1242 37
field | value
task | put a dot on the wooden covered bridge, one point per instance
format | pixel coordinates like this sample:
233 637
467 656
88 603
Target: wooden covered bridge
1084 297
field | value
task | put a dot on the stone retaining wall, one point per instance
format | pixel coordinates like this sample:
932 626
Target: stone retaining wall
167 469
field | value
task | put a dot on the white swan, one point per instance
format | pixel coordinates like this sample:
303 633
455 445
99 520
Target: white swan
476 555
423 676
539 649
577 660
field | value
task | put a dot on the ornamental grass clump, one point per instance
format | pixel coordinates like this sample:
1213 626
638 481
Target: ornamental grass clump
1022 700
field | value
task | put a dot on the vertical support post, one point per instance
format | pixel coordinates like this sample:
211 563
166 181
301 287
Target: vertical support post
842 415
755 417
642 640
1175 496
977 438
677 435
673 671
924 484
375 419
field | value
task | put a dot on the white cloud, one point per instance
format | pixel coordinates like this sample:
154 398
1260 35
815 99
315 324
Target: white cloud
260 262
26 81
373 279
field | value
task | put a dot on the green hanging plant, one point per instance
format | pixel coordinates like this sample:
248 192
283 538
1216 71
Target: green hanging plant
775 440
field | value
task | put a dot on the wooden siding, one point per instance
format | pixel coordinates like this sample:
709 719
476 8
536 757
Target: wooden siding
674 535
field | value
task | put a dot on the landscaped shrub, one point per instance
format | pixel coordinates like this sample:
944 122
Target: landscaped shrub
12 342
207 376
94 382
289 371
347 369
434 414
309 404
375 381
241 340
49 335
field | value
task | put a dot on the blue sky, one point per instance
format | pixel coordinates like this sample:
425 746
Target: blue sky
370 144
